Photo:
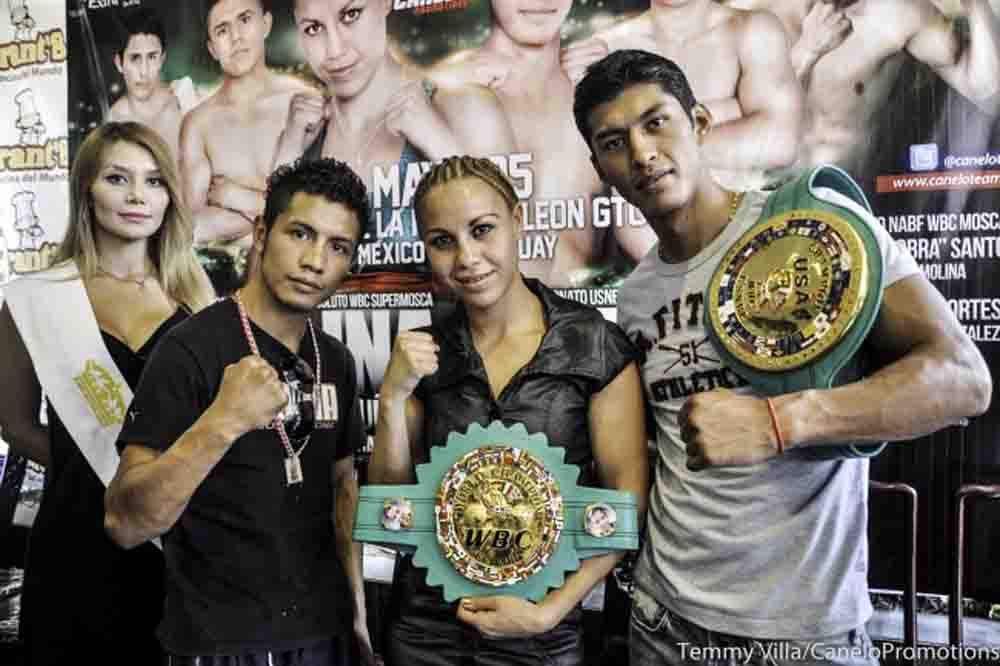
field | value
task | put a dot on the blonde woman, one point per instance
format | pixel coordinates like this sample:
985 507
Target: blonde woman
81 331
512 350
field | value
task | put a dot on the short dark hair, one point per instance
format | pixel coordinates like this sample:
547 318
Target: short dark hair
326 177
141 21
607 78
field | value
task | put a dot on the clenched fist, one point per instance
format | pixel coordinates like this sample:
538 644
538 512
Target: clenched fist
575 58
409 113
824 29
479 69
414 356
308 113
723 427
251 394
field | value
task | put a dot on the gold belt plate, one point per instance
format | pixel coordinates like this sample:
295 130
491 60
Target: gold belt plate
789 289
499 515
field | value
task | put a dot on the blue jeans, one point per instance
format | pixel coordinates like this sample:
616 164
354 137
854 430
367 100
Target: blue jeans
658 637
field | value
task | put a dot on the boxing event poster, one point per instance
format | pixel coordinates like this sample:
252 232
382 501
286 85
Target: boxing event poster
901 93
34 163
34 152
579 237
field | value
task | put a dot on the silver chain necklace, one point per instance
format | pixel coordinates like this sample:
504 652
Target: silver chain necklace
293 463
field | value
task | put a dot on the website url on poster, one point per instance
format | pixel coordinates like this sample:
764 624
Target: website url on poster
939 180
783 652
987 159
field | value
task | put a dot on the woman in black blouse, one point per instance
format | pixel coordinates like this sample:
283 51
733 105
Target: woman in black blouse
512 350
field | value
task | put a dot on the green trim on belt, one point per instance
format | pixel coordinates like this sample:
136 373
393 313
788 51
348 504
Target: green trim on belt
799 195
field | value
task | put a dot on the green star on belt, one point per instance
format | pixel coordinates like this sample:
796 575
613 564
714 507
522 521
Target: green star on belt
497 511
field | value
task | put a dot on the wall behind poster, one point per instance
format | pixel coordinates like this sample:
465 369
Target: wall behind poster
34 154
34 163
928 158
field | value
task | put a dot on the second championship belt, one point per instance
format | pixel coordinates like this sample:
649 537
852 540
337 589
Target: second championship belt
791 303
497 511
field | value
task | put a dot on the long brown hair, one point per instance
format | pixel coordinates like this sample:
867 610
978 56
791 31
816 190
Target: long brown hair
170 249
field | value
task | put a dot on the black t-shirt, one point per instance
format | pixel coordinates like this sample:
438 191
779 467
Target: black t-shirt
252 562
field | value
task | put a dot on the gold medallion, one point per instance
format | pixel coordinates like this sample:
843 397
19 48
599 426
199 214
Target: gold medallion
789 291
499 515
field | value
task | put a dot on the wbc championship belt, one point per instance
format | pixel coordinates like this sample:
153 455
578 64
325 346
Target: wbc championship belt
497 511
792 301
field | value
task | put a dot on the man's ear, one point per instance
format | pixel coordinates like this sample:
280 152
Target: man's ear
702 119
268 22
211 50
118 63
597 167
259 234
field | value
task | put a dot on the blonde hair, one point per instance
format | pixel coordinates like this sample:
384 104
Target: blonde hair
463 166
170 249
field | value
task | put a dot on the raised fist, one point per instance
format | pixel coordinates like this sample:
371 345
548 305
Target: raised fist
824 29
575 58
307 115
251 394
414 356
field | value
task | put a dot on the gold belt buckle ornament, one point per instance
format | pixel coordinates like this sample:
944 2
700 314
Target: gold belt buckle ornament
789 291
497 507
499 515
792 302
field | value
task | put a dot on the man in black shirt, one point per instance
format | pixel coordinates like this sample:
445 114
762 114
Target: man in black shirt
238 448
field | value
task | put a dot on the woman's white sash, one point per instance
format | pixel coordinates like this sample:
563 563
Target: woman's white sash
57 323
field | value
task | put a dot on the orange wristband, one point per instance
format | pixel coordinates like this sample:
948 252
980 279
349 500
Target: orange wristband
777 430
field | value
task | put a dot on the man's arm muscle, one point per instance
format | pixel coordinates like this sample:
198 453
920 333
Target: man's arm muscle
938 379
767 136
972 69
211 223
150 490
478 120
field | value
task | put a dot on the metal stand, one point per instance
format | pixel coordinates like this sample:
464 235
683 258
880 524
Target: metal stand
955 603
910 586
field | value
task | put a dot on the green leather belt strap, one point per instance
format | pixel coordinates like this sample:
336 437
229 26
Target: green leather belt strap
497 511
782 338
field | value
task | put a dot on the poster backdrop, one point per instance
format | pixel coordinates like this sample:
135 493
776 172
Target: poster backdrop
34 163
34 151
902 93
